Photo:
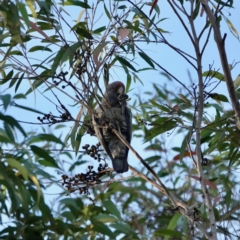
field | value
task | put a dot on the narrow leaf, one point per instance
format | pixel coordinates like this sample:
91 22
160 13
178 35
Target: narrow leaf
111 208
126 63
30 4
232 28
39 48
12 122
75 3
84 33
218 97
107 12
236 82
44 154
146 58
15 164
24 13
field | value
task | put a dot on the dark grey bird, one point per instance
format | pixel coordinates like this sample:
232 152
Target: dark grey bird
114 113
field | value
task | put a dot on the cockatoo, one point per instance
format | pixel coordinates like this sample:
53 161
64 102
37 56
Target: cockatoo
114 113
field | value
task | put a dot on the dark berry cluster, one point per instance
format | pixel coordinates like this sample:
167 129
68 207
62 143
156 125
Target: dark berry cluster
93 151
82 58
88 179
48 118
205 162
59 78
51 119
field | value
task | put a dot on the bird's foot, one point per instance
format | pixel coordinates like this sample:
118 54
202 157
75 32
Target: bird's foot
111 126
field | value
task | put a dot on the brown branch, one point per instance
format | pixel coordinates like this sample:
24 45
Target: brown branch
229 213
188 213
224 61
200 106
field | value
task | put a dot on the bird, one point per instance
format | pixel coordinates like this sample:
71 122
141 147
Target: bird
114 113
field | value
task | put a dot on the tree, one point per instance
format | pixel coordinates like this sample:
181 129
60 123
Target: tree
186 189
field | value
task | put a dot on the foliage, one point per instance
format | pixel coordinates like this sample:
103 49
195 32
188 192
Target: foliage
184 190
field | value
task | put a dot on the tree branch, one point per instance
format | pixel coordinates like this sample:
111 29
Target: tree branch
200 106
223 56
229 213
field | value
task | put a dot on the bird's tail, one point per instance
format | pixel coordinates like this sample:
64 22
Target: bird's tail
120 165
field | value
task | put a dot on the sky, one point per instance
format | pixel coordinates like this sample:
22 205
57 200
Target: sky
159 52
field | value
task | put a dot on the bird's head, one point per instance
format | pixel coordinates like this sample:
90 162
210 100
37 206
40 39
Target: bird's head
111 96
116 87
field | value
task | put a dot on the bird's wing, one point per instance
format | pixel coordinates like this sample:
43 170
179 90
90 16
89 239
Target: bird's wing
99 132
128 117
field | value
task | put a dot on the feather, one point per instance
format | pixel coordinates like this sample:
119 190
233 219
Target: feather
114 112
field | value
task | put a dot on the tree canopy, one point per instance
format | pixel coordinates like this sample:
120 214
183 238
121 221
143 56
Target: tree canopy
57 58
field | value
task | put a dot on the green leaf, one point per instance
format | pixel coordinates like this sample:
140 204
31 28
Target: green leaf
19 82
9 76
69 53
28 109
183 147
107 12
236 82
146 58
196 10
102 228
228 3
75 3
12 122
173 223
31 5
6 100
39 48
16 52
162 107
44 154
162 125
98 30
19 96
105 218
125 63
214 74
129 80
79 136
218 97
23 12
111 208
45 137
231 27
123 227
84 33
9 132
15 164
168 232
58 58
